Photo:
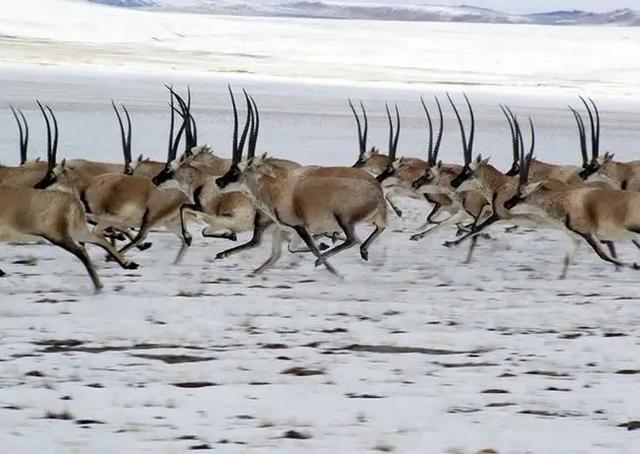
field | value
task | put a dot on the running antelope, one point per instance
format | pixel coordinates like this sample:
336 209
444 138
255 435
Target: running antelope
290 198
599 216
619 175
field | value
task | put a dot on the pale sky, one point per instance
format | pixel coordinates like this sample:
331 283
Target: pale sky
526 6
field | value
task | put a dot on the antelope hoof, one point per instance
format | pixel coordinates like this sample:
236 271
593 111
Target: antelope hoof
635 267
449 244
2 273
131 266
188 239
232 236
221 255
398 212
323 246
108 258
318 262
415 237
97 290
144 246
364 253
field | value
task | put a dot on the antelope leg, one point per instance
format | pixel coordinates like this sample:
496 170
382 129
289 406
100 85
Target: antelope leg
306 237
276 251
259 227
491 220
350 241
395 209
570 256
451 220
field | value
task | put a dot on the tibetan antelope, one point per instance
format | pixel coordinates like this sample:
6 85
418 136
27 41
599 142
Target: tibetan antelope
619 175
290 198
598 216
58 217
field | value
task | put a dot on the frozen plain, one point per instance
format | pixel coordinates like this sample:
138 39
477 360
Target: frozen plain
413 352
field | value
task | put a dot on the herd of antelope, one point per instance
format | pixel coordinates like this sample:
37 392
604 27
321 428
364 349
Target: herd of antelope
312 209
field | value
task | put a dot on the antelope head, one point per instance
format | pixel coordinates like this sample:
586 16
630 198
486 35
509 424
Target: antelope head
525 190
589 167
172 164
467 146
608 171
372 161
479 172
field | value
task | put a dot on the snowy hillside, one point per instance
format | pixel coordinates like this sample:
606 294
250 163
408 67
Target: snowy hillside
399 11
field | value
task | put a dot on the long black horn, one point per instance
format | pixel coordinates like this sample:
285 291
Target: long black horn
248 124
436 147
50 161
185 113
127 159
171 146
514 139
174 143
596 149
430 126
594 144
359 126
24 134
390 149
467 158
235 156
472 133
522 177
583 136
365 131
54 151
397 136
253 140
529 155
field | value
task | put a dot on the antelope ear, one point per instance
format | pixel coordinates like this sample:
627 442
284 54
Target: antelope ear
439 165
374 150
533 187
63 163
608 156
485 161
479 159
38 159
140 158
268 171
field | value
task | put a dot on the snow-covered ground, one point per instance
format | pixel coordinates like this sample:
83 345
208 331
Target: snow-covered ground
412 352
595 60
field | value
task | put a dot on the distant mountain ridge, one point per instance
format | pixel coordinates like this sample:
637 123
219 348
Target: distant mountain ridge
381 11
